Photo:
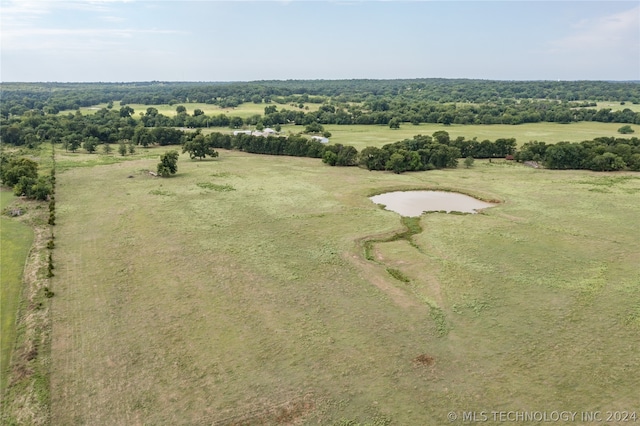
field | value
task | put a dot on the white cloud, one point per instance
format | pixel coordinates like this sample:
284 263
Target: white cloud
73 39
608 32
114 19
37 25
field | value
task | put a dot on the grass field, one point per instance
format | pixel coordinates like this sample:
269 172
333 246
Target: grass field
361 136
617 106
237 292
16 240
244 110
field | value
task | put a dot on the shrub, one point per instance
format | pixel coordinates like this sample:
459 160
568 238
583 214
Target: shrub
625 130
468 162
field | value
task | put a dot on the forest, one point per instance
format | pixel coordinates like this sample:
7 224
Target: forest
346 101
30 116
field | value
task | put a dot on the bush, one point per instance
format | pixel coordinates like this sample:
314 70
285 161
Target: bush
625 130
468 162
330 158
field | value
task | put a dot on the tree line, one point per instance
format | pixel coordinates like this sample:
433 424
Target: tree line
52 98
424 152
599 154
107 126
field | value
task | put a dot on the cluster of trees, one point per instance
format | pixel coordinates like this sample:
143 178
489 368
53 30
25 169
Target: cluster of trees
394 112
293 145
431 152
21 174
599 154
420 153
89 131
55 97
397 111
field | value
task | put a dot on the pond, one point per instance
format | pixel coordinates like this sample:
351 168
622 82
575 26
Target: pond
414 203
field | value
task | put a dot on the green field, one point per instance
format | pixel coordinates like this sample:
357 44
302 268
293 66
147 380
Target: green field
16 239
361 136
237 292
617 106
244 110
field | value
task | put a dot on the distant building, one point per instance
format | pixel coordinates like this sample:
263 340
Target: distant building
320 139
264 132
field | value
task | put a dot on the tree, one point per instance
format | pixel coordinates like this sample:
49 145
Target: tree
143 136
313 128
199 147
90 144
396 163
607 162
16 168
468 162
168 164
330 158
394 123
373 158
35 188
236 122
625 130
180 109
347 156
22 174
442 137
106 148
126 111
122 148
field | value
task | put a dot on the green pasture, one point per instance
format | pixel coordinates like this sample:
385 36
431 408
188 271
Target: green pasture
361 136
243 110
15 242
238 292
618 106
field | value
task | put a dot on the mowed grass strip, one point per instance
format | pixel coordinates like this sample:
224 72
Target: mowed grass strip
205 306
16 239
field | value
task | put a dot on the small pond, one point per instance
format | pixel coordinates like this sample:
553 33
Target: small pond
414 203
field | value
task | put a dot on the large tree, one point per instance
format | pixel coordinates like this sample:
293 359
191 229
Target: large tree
16 168
199 147
143 136
168 164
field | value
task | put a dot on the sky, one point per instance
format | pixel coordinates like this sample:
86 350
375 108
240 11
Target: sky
204 40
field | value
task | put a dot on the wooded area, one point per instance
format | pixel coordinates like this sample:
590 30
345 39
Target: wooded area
29 116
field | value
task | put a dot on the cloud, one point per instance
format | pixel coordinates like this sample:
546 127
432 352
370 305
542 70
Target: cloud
74 39
44 25
114 19
612 31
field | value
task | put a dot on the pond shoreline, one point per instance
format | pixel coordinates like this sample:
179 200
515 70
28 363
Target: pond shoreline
415 203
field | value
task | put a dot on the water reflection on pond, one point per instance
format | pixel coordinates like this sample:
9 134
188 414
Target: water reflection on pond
414 203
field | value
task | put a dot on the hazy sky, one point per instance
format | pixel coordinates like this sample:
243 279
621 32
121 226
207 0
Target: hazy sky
202 40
